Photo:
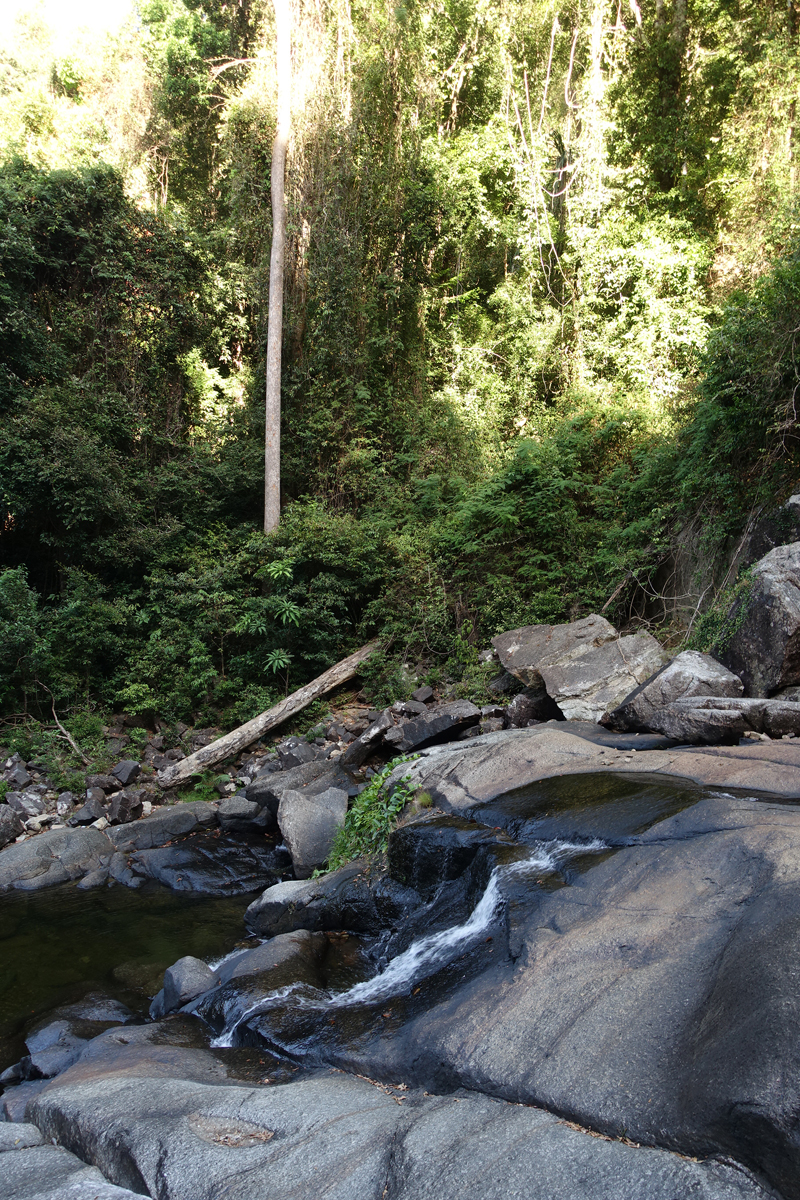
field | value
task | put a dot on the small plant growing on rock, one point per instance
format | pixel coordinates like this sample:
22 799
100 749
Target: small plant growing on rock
370 820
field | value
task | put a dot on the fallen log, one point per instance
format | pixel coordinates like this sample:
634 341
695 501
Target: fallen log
245 735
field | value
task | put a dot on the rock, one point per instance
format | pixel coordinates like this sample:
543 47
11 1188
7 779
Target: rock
247 978
346 1138
423 694
764 649
689 674
365 743
427 852
409 708
65 803
530 706
523 652
19 1137
589 685
89 812
164 825
15 1100
52 1048
107 783
52 1173
11 825
501 685
184 980
343 899
126 771
207 864
18 777
439 724
266 790
294 753
94 879
309 825
712 720
492 724
27 804
237 814
53 857
125 806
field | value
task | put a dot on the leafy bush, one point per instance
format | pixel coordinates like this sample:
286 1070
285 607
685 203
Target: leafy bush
370 819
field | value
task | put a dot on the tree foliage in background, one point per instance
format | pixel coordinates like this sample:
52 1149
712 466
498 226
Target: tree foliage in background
540 310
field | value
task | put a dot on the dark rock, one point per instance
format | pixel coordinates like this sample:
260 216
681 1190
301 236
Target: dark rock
492 724
27 804
11 824
246 979
51 1049
439 724
107 783
125 806
294 753
164 825
361 748
344 899
503 684
52 1173
309 825
96 795
344 1138
423 694
689 674
91 811
531 705
267 788
240 815
211 865
184 980
15 1100
202 737
17 776
470 732
94 879
126 771
53 857
716 720
764 650
428 852
525 651
409 708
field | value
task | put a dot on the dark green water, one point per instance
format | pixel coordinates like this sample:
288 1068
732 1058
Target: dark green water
59 944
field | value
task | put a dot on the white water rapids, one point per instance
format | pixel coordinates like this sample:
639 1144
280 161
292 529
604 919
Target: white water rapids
435 948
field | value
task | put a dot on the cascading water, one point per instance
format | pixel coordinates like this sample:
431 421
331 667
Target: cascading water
435 949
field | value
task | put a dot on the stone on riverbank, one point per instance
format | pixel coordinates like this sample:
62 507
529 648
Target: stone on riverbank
53 857
309 825
52 1173
11 824
714 720
344 899
689 674
764 649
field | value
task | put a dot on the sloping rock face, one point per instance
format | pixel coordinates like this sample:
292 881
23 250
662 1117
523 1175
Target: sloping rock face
765 647
344 1138
54 857
52 1173
654 996
711 721
689 674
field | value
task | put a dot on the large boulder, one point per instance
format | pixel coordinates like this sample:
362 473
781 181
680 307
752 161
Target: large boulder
186 979
205 863
52 1173
165 824
341 1138
54 857
689 674
525 651
349 898
11 824
309 825
588 686
764 648
713 720
438 724
310 778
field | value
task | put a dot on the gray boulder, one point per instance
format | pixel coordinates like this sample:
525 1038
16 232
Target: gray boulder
689 674
53 857
591 684
343 899
525 651
362 746
18 776
342 1138
125 806
266 790
126 771
439 724
52 1173
237 814
27 804
309 825
186 979
764 649
11 824
19 1137
295 753
165 824
715 720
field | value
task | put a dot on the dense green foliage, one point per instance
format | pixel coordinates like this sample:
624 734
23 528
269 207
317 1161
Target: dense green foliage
541 310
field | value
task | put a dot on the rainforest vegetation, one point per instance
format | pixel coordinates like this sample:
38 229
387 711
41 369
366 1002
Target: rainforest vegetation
541 305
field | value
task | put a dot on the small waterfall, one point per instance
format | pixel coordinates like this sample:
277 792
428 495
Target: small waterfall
435 948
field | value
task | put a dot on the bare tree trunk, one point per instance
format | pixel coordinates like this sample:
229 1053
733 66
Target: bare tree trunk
272 435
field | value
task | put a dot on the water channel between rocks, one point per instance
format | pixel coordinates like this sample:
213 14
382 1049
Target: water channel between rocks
60 944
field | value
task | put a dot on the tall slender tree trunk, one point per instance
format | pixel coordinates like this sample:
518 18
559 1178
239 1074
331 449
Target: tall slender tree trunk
272 436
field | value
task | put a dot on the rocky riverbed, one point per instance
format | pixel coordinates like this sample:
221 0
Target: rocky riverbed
573 973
